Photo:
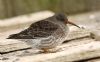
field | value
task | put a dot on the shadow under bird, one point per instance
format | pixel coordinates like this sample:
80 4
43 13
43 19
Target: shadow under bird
45 34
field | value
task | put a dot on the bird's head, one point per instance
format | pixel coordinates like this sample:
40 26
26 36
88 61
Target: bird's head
61 17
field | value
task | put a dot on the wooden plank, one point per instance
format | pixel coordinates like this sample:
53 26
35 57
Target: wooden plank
78 33
71 52
25 18
7 45
75 53
11 45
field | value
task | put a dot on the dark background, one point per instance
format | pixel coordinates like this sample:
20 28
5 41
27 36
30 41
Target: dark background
10 8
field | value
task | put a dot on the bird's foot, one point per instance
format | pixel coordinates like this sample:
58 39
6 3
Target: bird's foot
53 50
44 50
56 50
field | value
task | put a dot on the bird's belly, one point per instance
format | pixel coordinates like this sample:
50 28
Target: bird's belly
41 43
56 39
50 43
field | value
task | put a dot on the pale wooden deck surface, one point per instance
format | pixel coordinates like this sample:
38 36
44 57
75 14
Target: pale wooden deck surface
78 45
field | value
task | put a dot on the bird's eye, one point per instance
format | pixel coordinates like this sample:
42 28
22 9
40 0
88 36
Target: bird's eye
60 18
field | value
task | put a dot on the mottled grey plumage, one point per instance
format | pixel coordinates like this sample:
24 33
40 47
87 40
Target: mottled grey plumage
45 34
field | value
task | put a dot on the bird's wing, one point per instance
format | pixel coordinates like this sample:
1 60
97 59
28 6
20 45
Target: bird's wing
39 29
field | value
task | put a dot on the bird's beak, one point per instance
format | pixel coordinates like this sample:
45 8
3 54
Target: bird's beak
68 22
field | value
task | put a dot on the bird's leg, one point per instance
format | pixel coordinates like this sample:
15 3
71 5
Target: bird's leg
53 50
45 50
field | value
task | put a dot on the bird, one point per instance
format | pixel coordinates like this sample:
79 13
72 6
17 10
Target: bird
45 34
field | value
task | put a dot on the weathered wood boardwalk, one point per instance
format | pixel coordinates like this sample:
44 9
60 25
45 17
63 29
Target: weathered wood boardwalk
79 45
